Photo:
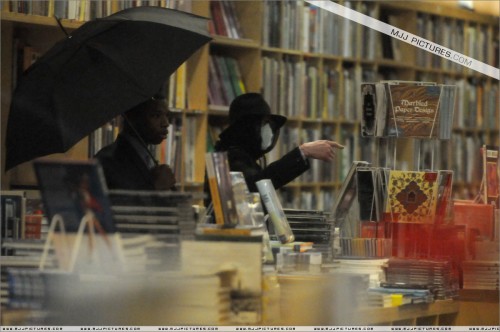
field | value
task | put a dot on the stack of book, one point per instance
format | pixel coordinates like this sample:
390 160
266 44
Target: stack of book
378 299
481 275
372 268
393 297
167 216
244 259
25 289
197 299
158 298
436 275
17 286
313 226
297 261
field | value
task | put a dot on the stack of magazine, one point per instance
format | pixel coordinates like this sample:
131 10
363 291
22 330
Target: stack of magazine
167 217
435 275
314 226
481 275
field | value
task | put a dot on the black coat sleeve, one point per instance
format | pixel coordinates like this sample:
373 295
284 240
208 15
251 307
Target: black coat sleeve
280 172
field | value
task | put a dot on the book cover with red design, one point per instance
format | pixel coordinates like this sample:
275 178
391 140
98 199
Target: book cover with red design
411 196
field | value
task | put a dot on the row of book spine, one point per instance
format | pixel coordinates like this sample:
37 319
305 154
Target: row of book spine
309 29
472 40
477 105
224 20
226 80
466 156
302 27
303 89
85 10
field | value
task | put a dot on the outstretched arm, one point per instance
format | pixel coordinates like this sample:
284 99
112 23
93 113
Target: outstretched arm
322 149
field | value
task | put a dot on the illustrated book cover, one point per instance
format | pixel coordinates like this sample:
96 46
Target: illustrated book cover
411 196
413 110
407 109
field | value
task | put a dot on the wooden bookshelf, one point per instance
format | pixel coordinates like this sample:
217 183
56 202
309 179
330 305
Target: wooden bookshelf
324 53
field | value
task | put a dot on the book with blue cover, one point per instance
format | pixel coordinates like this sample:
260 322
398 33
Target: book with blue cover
73 188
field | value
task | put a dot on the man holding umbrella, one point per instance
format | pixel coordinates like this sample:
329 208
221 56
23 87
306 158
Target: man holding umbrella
127 163
104 68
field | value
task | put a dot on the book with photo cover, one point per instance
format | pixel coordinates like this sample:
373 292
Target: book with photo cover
72 188
411 196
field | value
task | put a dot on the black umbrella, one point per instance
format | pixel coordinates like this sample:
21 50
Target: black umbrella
101 70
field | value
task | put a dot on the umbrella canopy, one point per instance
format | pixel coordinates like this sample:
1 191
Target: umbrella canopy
101 70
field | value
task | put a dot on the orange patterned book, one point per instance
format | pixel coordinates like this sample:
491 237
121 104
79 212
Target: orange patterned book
411 196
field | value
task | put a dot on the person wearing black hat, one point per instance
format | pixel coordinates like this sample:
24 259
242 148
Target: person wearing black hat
127 162
252 132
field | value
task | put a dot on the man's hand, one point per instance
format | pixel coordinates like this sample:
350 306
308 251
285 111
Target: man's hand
322 149
163 177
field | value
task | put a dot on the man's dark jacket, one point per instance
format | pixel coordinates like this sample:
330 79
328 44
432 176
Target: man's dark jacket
123 167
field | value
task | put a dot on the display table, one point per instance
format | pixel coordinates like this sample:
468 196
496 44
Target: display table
479 308
331 300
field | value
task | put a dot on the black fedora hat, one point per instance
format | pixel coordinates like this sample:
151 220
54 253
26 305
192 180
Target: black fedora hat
252 104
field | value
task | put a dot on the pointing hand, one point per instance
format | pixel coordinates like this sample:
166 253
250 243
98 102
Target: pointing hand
322 149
